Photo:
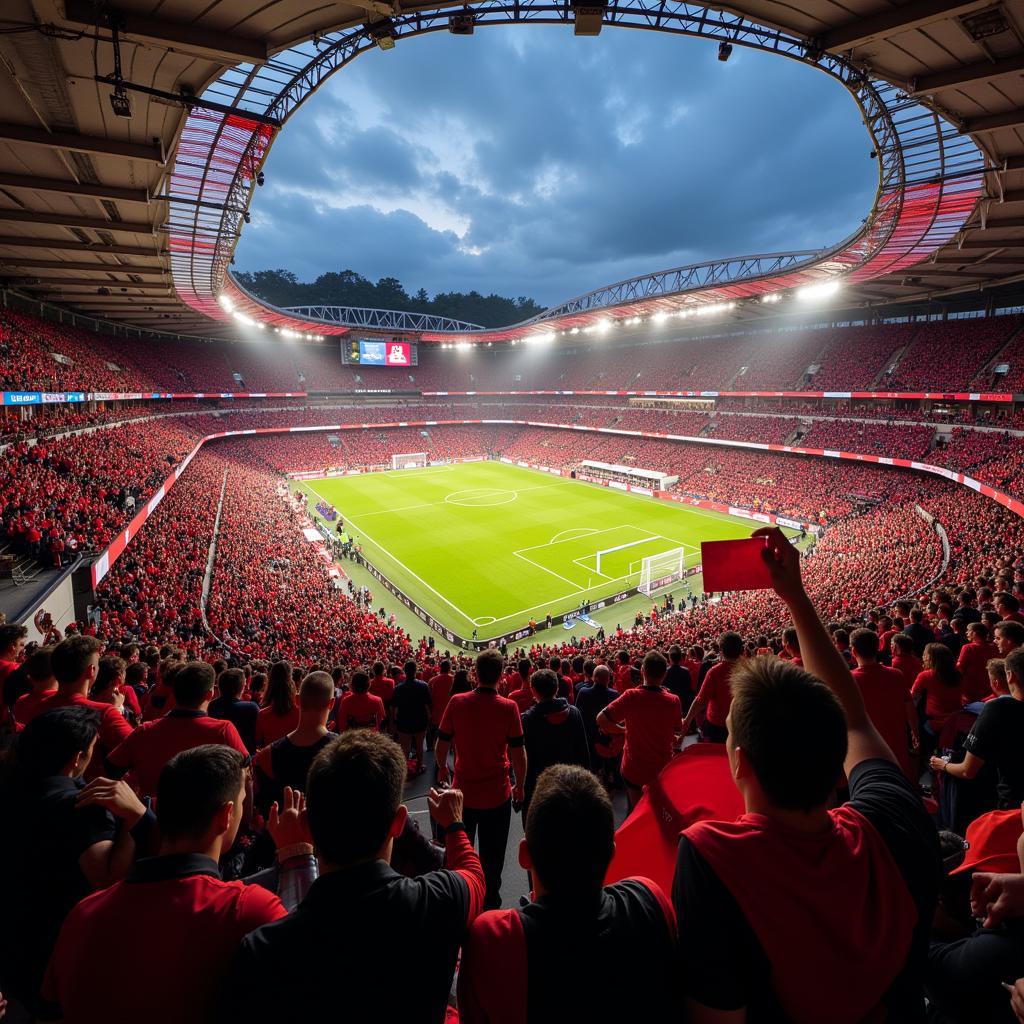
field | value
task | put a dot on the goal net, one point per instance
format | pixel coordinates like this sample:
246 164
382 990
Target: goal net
415 460
658 571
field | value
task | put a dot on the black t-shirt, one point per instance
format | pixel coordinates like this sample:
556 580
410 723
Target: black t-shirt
724 965
411 704
42 878
677 681
998 739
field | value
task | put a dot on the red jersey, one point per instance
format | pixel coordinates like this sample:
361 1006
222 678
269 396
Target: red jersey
114 727
523 698
440 690
175 911
28 705
361 711
153 744
715 692
885 696
941 701
623 678
652 717
383 687
271 726
972 661
482 726
909 666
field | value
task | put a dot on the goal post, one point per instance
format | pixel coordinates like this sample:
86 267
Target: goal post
660 570
618 547
414 460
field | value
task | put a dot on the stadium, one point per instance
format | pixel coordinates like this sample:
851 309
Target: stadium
328 627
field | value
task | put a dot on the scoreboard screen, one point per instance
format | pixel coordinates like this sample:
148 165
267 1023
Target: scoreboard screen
393 352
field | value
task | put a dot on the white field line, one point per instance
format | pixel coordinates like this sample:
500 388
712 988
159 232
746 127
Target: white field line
537 565
445 501
402 565
580 531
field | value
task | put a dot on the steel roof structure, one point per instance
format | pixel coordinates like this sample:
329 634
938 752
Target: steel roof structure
135 219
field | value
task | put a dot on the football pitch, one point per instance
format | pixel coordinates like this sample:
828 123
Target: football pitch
487 546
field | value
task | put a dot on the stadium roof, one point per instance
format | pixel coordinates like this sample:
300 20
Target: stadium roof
87 221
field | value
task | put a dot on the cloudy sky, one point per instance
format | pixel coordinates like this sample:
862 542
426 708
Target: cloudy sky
526 161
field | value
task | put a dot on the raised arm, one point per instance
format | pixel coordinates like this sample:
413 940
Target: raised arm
820 656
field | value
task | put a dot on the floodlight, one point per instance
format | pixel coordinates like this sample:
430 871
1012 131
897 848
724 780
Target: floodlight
771 297
817 292
724 51
659 318
383 34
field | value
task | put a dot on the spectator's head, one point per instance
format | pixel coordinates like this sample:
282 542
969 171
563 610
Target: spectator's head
655 668
902 645
410 669
917 617
939 658
360 682
193 684
570 834
996 669
136 673
200 796
977 632
791 642
697 652
39 669
1005 603
281 688
12 641
588 670
354 799
1015 673
130 653
316 695
731 645
524 668
109 677
602 676
76 662
460 682
59 742
258 687
230 683
489 666
378 669
623 657
864 643
544 684
787 736
1009 636
445 667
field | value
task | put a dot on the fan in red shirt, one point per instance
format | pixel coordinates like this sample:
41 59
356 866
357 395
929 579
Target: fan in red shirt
12 643
651 717
887 699
147 750
487 732
904 660
383 686
440 690
522 695
513 969
192 920
623 672
715 693
39 669
794 910
75 662
360 709
973 660
1008 607
939 685
281 714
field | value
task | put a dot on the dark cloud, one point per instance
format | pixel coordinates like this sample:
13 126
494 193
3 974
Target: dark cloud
526 161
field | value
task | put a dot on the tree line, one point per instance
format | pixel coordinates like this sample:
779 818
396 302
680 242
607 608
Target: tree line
347 288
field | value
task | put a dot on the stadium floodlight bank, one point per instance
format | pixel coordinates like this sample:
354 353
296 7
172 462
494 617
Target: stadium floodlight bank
657 571
415 460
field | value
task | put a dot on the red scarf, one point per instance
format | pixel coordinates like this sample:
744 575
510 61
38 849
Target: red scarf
830 910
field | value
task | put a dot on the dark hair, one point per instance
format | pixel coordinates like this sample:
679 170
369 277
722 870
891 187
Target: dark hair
524 668
545 682
231 682
38 665
135 673
10 634
489 666
445 667
570 830
902 642
1008 599
258 684
359 683
865 643
70 658
623 657
942 663
790 728
378 668
194 785
1012 630
791 637
1014 663
410 669
655 668
219 665
50 740
281 689
353 792
978 628
731 645
191 683
675 654
127 650
460 682
111 668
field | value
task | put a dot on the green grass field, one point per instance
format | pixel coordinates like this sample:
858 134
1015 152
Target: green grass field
487 546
